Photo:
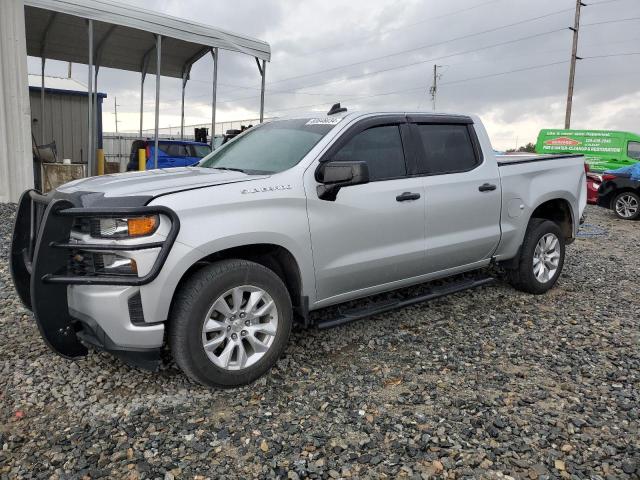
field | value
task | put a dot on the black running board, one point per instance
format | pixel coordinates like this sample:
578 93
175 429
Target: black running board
384 306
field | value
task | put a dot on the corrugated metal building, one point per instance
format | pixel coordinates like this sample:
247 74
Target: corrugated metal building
65 119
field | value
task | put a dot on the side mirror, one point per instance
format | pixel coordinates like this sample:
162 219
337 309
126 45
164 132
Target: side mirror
334 175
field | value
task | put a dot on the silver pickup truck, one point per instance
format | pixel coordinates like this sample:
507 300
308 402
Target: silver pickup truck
219 260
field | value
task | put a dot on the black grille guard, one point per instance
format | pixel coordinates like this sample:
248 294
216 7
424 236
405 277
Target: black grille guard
39 258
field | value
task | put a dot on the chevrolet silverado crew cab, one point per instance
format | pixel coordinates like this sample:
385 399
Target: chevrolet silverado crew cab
218 260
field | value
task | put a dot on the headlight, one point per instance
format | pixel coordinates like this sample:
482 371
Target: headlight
101 263
124 227
116 265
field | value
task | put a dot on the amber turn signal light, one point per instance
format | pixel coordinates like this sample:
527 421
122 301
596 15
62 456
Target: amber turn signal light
140 226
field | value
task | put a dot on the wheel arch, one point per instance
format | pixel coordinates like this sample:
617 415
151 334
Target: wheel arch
275 257
559 211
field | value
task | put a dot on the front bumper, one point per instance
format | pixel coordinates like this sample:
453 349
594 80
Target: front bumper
73 310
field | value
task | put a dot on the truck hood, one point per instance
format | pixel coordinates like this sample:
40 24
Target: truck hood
156 182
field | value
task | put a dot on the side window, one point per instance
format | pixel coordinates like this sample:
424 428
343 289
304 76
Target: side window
176 150
633 150
381 148
447 148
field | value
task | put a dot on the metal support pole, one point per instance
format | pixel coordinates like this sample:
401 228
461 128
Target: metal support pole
90 153
42 105
96 68
43 56
572 68
158 65
115 111
214 53
184 84
141 101
263 72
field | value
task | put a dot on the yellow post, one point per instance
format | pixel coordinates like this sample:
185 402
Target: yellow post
100 161
142 159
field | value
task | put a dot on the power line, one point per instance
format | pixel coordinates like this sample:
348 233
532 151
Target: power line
421 88
401 27
351 77
375 72
612 55
617 20
410 50
441 57
398 67
342 95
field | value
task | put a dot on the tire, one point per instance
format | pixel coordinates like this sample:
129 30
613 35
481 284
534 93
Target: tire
523 276
197 304
626 206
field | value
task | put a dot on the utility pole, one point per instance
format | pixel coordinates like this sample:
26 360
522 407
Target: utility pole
69 70
433 90
115 111
572 69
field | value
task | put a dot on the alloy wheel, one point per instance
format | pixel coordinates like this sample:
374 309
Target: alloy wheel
240 327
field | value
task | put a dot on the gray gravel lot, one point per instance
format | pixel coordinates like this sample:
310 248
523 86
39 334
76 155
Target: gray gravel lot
489 383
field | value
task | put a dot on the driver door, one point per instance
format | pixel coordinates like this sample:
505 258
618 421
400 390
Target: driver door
372 234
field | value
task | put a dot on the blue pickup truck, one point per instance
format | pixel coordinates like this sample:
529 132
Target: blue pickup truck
171 153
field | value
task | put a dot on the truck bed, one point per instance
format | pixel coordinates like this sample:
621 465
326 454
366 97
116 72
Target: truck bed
529 180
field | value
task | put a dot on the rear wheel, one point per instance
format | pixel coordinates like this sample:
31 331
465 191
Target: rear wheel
541 258
230 323
627 205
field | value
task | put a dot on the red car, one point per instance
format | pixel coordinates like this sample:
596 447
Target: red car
593 184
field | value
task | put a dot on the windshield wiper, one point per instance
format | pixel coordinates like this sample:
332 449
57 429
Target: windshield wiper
245 171
231 169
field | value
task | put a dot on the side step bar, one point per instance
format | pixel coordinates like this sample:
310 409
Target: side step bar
384 306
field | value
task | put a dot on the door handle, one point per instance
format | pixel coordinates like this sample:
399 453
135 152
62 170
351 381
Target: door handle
487 187
406 196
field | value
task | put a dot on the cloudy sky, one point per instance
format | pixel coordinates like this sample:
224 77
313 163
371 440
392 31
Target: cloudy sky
506 60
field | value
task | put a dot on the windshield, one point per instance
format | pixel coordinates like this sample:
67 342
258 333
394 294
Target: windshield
272 147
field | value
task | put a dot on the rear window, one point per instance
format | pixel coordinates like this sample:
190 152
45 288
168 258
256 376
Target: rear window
174 149
200 151
447 148
634 150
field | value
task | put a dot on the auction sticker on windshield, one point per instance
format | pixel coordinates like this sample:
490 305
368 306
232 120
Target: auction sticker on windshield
324 121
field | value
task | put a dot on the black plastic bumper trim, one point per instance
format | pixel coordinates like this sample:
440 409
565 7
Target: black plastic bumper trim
105 247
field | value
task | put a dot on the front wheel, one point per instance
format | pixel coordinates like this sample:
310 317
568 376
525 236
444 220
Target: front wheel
627 205
230 323
541 258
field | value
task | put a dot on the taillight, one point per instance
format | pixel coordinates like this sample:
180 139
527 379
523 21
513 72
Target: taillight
586 168
607 177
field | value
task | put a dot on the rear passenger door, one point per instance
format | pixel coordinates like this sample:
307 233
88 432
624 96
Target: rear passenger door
372 234
463 198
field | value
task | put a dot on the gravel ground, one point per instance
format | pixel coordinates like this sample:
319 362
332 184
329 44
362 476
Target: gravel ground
489 383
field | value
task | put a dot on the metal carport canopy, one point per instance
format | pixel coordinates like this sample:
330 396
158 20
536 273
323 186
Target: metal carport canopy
102 33
64 37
